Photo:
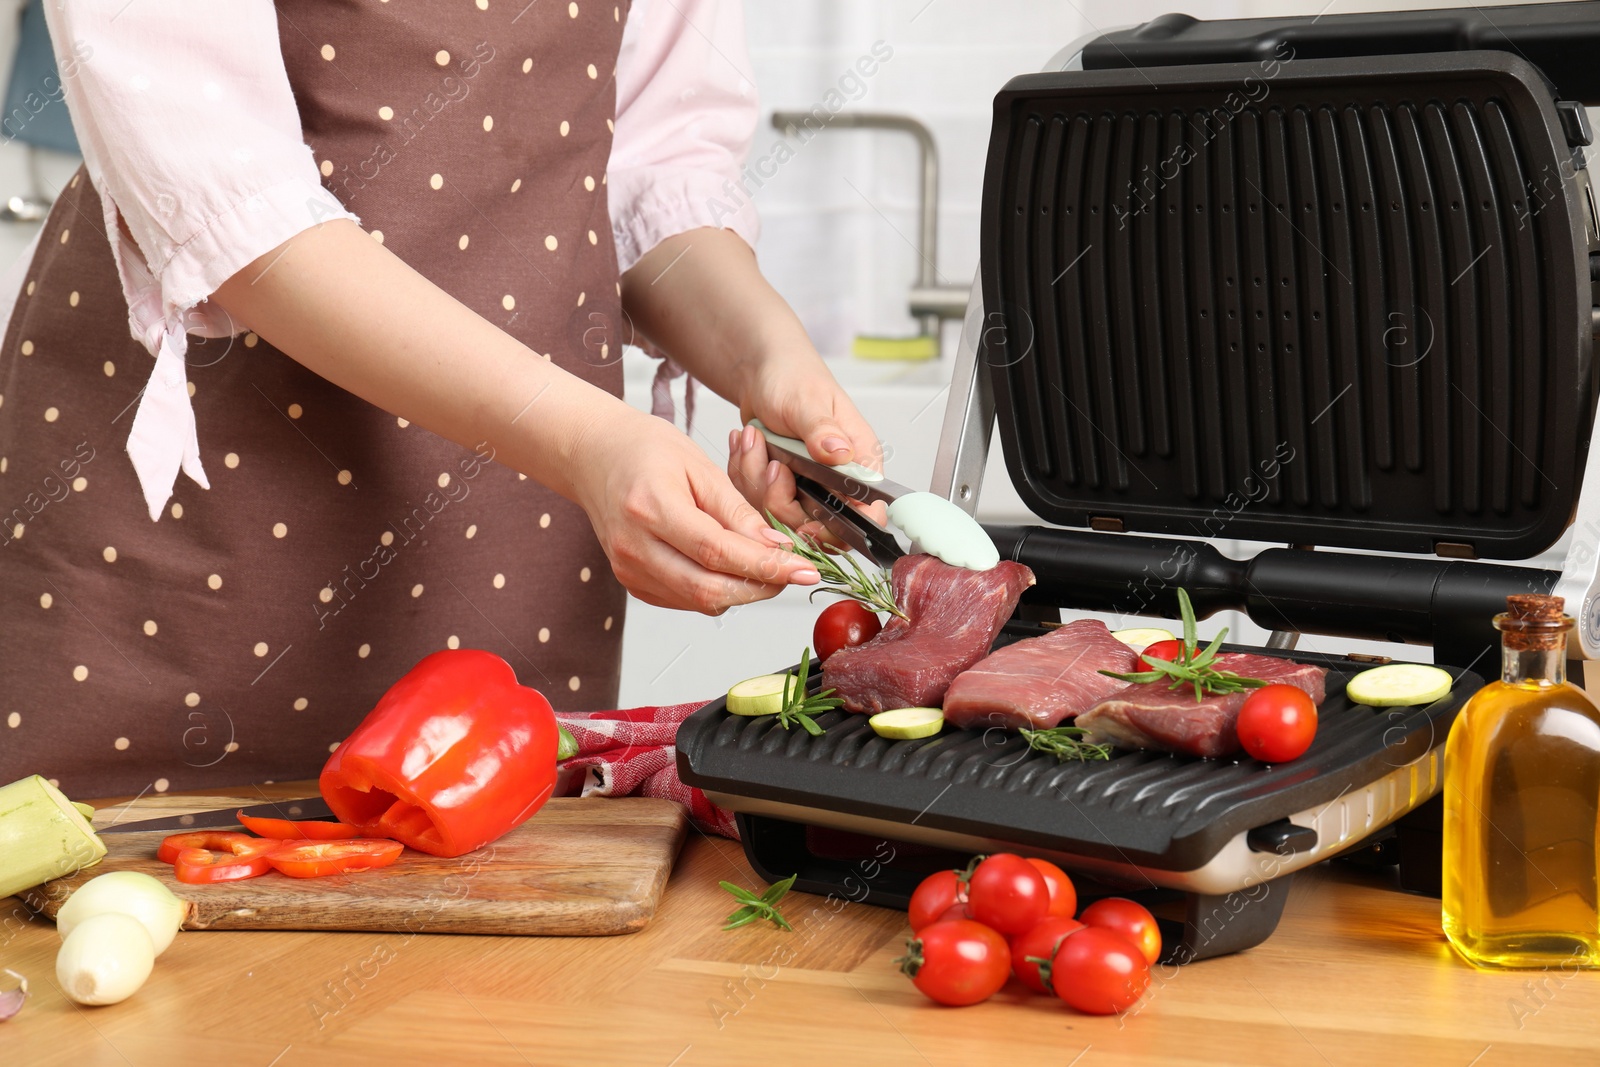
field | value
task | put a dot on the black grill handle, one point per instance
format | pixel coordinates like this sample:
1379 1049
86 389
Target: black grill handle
1560 39
1449 604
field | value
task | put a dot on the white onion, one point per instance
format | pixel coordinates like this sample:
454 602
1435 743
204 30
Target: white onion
105 959
128 893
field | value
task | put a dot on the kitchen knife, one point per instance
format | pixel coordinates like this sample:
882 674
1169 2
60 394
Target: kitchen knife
569 781
305 808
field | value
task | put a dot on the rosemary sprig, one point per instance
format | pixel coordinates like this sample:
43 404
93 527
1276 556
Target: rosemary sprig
873 590
797 706
1192 667
1064 743
763 907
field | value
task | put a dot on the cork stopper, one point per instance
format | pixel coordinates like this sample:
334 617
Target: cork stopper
1533 623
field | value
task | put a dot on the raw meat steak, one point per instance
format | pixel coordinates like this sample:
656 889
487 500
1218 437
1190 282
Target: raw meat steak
1151 715
954 615
1040 681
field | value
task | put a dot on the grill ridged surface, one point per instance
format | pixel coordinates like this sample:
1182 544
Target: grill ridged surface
1168 811
1376 276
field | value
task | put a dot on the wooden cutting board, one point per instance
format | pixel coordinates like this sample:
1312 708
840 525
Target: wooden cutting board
578 867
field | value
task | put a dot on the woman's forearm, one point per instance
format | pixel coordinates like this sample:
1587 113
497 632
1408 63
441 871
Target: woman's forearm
348 309
702 299
676 530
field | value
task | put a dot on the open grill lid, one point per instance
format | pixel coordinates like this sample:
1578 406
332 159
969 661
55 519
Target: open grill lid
1341 302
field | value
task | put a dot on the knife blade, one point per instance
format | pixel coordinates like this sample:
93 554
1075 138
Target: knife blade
569 782
304 808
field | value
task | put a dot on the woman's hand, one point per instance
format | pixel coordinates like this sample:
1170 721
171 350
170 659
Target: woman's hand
795 395
720 319
676 531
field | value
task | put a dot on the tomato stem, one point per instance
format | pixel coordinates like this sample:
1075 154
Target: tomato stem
1044 968
913 960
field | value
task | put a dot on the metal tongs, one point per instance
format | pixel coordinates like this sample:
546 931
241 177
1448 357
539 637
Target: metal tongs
829 493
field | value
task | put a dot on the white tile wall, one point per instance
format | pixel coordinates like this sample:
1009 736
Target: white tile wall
849 274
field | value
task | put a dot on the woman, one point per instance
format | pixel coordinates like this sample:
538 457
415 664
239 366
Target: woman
398 427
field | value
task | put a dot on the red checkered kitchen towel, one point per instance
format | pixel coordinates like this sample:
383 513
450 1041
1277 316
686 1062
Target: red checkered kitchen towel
631 752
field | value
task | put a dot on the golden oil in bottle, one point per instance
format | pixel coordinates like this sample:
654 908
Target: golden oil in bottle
1522 805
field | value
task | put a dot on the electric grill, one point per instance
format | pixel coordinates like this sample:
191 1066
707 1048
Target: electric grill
1328 283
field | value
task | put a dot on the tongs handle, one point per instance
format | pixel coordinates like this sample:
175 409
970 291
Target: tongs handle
849 481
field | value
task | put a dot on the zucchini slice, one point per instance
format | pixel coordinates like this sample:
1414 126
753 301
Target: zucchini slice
762 695
1398 685
1142 637
903 723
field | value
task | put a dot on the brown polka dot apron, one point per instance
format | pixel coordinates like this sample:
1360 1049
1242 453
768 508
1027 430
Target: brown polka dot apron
243 635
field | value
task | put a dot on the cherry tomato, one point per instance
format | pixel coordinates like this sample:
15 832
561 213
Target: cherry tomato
1168 650
1063 896
313 859
1039 943
246 858
1277 723
294 830
934 896
954 911
843 625
957 963
1128 918
217 840
1098 972
1008 894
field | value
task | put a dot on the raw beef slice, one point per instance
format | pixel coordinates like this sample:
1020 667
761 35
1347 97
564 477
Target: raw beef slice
953 613
1152 715
1040 681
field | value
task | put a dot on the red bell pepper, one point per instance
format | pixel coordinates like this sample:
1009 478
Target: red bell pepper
453 756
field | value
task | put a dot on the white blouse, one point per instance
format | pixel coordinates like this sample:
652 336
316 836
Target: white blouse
191 136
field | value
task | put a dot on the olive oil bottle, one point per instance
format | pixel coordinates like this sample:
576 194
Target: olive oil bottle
1522 805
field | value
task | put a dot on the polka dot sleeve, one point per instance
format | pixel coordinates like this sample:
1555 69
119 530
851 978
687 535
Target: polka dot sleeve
686 116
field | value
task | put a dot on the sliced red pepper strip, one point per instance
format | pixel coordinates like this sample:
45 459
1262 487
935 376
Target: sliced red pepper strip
314 859
297 830
247 859
454 755
218 840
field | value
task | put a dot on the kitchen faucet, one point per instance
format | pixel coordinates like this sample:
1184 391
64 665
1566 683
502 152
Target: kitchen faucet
928 300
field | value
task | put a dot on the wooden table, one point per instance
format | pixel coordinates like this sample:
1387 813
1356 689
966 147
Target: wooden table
1356 974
